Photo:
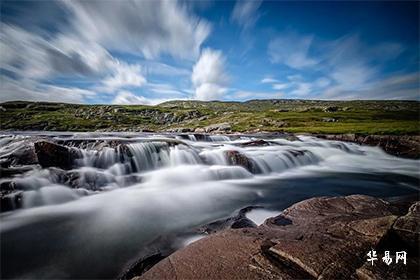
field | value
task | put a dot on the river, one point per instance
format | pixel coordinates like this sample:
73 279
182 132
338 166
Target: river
126 190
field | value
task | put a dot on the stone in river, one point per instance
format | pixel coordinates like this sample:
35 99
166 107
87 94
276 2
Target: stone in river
53 155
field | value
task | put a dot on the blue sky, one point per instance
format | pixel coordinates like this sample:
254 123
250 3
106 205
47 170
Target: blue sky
146 52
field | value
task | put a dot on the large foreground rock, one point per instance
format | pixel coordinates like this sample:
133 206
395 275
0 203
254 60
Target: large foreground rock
319 238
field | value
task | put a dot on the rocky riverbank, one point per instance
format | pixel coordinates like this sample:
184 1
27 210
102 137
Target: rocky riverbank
403 146
319 238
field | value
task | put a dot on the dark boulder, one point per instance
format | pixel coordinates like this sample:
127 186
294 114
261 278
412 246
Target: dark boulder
11 201
53 155
257 143
236 158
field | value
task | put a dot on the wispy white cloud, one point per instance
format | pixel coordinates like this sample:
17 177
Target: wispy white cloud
268 80
31 56
148 27
166 90
280 86
344 68
292 50
247 95
163 69
128 98
322 82
81 50
29 90
402 86
124 75
209 77
245 13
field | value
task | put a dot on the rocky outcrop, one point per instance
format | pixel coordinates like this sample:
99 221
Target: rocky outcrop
403 146
54 155
319 238
329 120
257 143
219 127
408 227
24 155
236 158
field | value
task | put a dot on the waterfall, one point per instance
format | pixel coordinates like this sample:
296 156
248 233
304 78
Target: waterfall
149 155
111 163
218 138
126 190
183 155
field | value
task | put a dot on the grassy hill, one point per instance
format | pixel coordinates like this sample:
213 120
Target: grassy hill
313 116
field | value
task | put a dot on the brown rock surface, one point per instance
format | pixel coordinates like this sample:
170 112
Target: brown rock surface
403 146
408 227
324 238
236 158
54 155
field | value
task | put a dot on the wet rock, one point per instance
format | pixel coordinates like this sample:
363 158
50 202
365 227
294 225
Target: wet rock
291 137
90 180
7 186
180 129
236 158
149 255
238 221
11 201
404 146
12 171
24 155
259 142
323 238
53 155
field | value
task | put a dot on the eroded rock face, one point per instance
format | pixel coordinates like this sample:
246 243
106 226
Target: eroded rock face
219 127
408 227
404 146
323 238
54 155
24 155
236 158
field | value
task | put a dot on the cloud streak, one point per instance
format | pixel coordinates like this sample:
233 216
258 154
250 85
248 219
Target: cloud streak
148 27
292 50
209 77
245 13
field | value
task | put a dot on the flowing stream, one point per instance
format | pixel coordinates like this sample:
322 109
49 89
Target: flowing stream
124 191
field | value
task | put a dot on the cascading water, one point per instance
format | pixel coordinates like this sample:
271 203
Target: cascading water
124 191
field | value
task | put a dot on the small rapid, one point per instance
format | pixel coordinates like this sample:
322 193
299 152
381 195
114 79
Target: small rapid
119 192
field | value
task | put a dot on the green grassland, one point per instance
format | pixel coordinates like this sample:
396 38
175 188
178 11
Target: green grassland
311 116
